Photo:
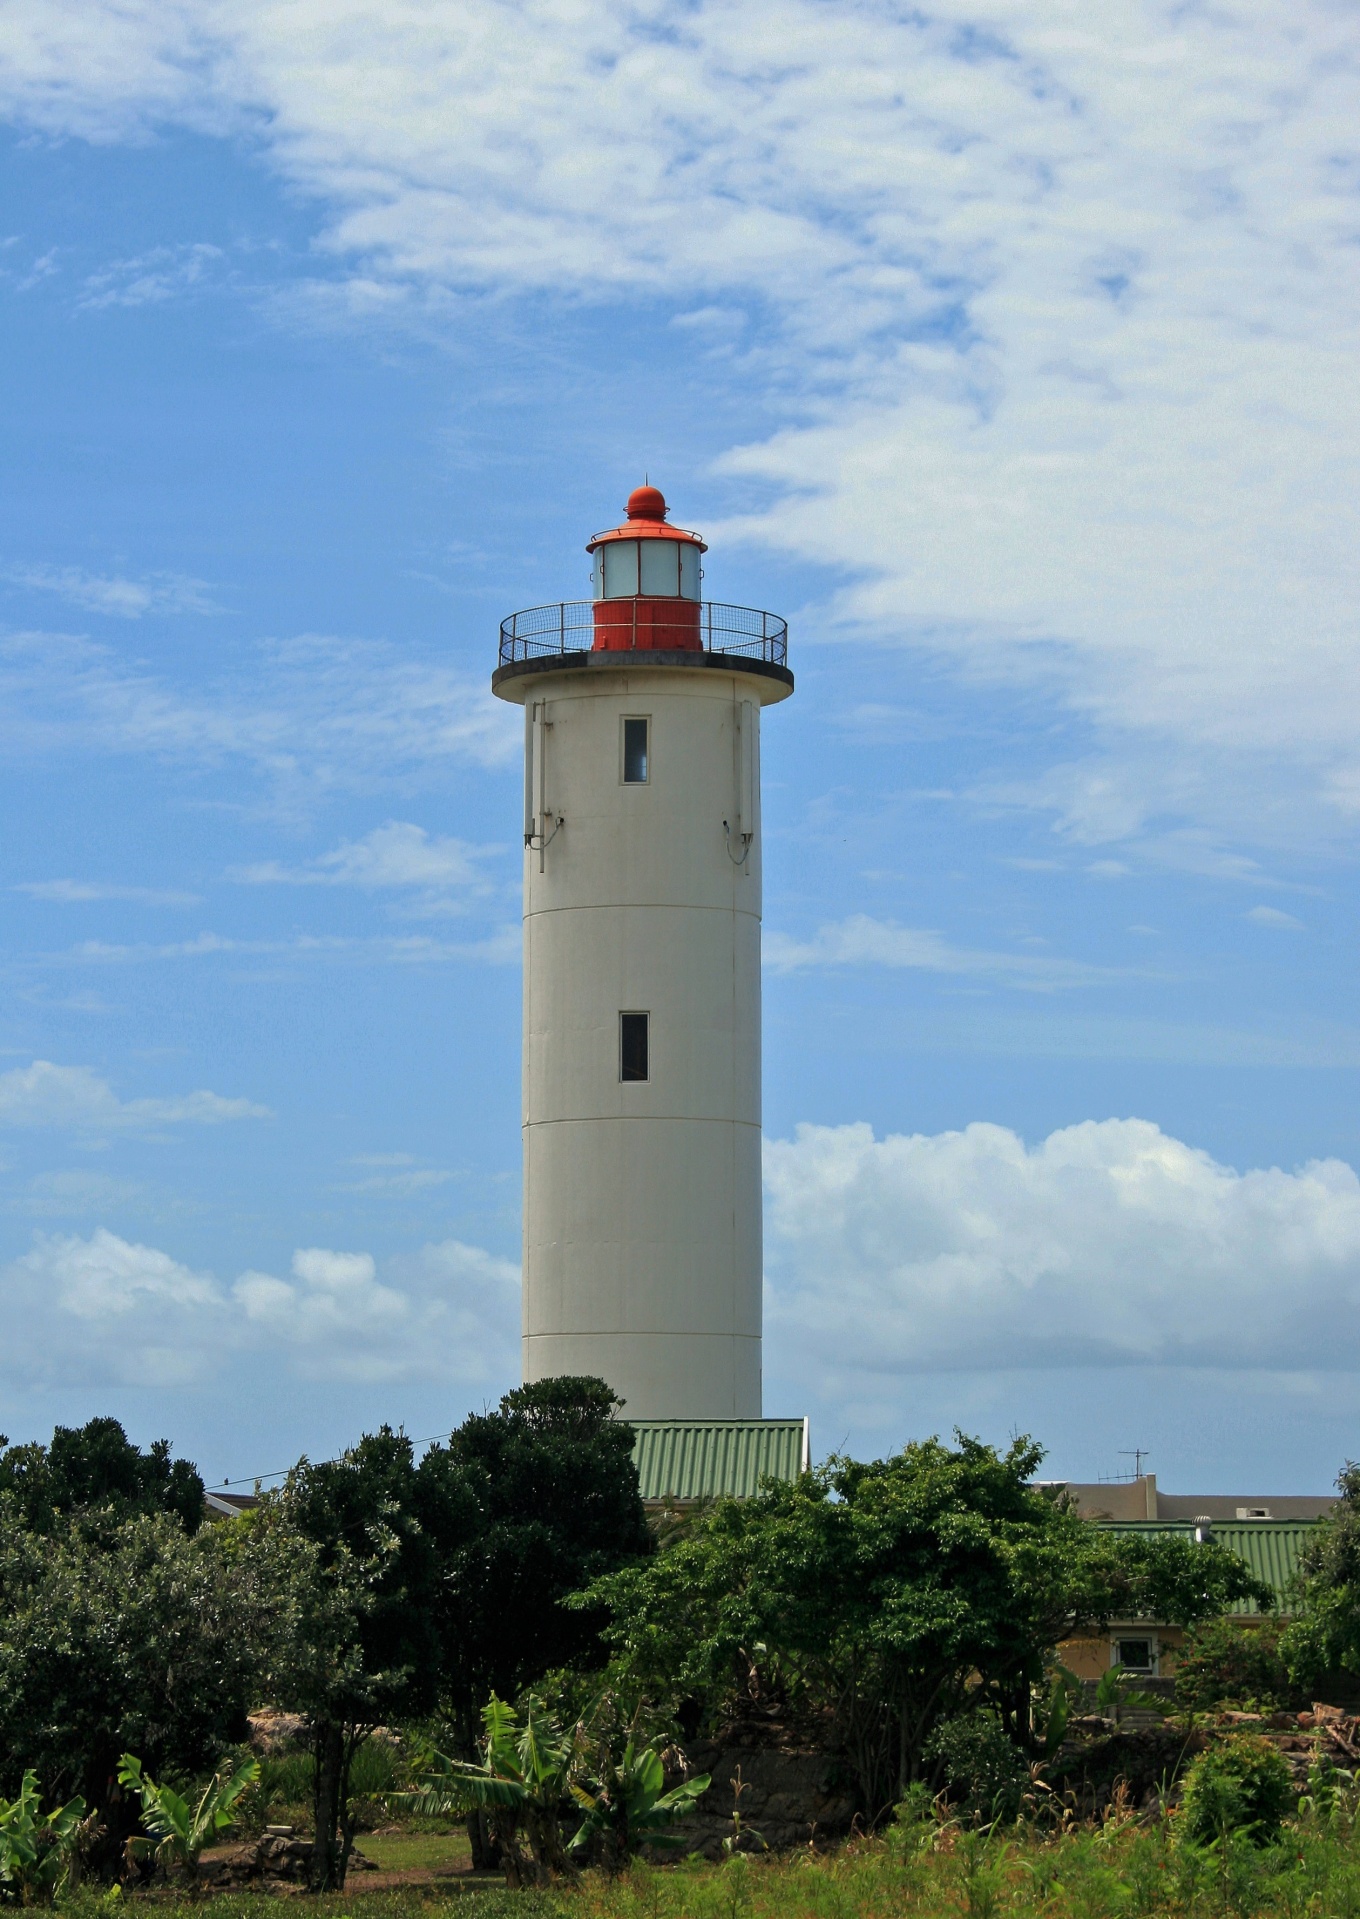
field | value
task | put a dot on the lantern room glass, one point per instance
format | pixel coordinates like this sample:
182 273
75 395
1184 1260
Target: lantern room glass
654 569
621 570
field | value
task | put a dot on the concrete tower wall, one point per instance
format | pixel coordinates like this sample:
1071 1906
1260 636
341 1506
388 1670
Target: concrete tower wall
642 1200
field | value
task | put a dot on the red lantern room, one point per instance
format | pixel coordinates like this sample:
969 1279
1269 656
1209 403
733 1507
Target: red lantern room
646 581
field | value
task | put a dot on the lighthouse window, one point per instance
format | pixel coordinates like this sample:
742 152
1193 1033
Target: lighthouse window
633 1061
689 572
660 567
635 767
620 569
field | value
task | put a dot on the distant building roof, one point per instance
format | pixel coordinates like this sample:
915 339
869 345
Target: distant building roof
1141 1498
1270 1548
228 1505
688 1459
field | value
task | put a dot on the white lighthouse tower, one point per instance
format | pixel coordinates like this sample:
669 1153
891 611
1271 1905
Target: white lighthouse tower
642 1199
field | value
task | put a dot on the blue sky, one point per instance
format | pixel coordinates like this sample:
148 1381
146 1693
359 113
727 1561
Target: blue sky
1013 360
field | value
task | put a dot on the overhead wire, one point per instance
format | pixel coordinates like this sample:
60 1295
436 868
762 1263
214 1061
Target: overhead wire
258 1479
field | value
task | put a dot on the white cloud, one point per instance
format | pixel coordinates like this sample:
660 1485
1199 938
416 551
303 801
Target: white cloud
44 1094
397 854
1108 1244
1063 306
501 947
83 892
105 1310
336 1319
127 599
164 273
1273 916
863 941
312 716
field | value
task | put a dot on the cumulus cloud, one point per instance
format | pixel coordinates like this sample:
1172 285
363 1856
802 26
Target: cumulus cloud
106 1310
1064 314
44 1094
336 1319
1107 1244
863 941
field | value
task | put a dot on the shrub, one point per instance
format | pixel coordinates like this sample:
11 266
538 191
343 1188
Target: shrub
979 1765
1233 1662
1242 1785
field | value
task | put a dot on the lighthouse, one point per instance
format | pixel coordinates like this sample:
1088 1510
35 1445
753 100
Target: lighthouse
642 909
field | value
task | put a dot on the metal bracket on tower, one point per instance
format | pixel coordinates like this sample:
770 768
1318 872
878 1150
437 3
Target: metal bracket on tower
541 824
744 832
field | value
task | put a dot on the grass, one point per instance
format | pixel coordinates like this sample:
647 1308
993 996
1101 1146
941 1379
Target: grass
1125 1869
446 1851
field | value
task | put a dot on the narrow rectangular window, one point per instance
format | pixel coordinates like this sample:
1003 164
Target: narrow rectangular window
633 1049
635 752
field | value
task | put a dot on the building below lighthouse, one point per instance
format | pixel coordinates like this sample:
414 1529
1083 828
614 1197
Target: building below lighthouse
642 911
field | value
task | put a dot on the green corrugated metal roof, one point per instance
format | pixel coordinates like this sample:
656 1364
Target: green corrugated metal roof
1270 1547
713 1458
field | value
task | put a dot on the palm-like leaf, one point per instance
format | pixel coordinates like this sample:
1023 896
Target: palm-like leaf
180 1833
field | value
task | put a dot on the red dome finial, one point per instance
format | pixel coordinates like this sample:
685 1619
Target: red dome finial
646 503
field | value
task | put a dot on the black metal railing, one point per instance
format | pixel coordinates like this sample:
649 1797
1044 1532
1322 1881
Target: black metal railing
569 627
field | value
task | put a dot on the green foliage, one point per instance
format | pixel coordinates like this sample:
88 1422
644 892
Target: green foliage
1240 1785
130 1635
96 1468
1233 1662
979 1765
1324 1635
626 1805
179 1832
537 1500
1115 1694
362 1645
884 1594
37 1849
522 1782
1064 1692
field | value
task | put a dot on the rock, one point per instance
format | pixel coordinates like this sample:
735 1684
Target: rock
274 1732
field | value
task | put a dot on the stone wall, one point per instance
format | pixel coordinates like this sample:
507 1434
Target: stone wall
788 1797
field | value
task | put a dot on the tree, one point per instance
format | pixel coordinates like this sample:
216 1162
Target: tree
363 1608
532 1502
97 1467
890 1596
128 1635
1324 1636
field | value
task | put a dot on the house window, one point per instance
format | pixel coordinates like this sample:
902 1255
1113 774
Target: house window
634 1063
635 756
1135 1655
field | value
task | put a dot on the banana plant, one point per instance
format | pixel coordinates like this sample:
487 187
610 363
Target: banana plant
627 1807
522 1783
1115 1696
1065 1692
37 1849
177 1833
